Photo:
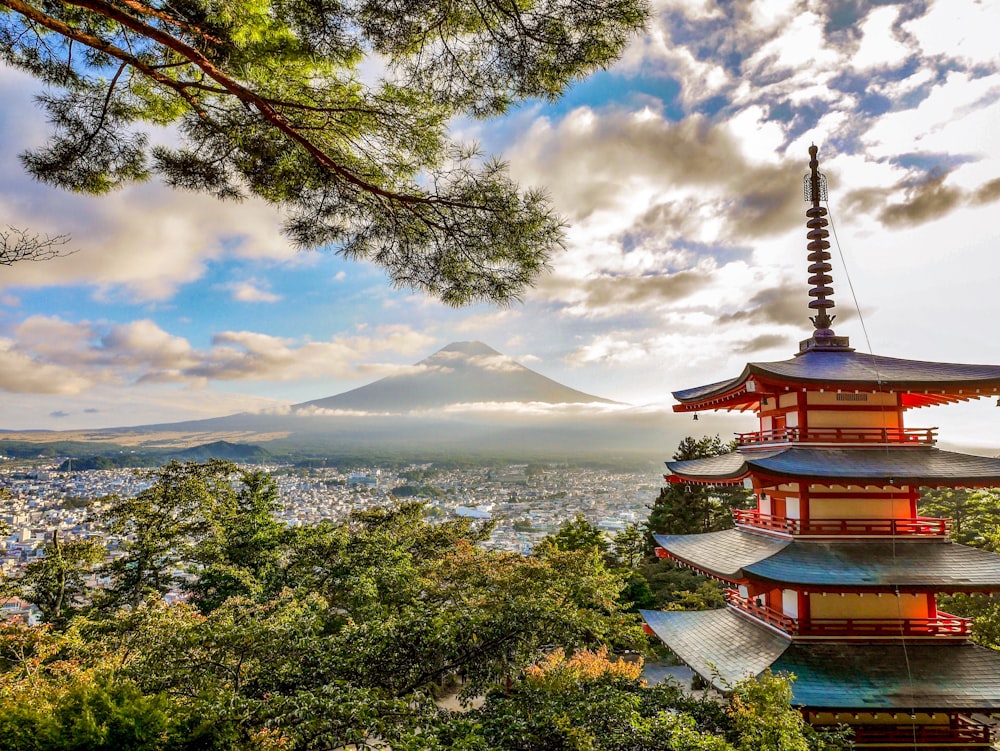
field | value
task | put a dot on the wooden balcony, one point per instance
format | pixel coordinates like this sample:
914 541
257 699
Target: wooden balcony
961 732
920 526
944 625
895 436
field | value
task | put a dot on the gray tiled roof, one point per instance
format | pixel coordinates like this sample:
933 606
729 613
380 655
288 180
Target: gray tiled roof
890 676
936 566
924 465
858 369
724 647
719 645
723 553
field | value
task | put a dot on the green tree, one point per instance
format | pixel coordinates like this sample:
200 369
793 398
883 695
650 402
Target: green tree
764 720
242 555
267 100
159 528
629 546
577 534
683 508
56 583
974 514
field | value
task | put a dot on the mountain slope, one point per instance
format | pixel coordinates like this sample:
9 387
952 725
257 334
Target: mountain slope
462 372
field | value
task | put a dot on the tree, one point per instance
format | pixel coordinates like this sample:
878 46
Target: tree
684 508
20 245
56 583
974 514
267 100
576 534
242 557
160 528
629 546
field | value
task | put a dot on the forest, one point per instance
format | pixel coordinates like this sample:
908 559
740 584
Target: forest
347 634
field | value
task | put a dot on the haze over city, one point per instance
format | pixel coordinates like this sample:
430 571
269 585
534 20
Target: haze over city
678 172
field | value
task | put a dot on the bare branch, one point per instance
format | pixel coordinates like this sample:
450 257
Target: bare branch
20 245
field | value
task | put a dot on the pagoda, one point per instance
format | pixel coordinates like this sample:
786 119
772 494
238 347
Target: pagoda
833 576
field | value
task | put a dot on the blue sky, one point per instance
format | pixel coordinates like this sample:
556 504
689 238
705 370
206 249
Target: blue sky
679 172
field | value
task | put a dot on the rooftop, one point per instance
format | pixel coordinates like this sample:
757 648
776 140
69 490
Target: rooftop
909 465
924 565
723 647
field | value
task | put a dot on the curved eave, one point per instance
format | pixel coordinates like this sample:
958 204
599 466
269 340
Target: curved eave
924 466
723 648
921 383
723 555
737 555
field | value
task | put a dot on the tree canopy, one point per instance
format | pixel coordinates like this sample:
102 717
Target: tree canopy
268 100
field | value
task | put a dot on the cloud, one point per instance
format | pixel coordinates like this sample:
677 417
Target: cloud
50 355
23 373
785 304
762 342
58 413
925 197
140 243
250 291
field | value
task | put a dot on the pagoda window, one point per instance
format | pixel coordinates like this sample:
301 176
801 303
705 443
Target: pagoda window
876 418
869 605
792 509
790 603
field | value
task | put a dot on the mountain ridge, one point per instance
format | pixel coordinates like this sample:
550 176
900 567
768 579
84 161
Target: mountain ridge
458 373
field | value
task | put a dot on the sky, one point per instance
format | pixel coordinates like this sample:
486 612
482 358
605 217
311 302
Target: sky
678 171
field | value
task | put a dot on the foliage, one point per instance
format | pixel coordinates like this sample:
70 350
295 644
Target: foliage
584 702
158 528
56 582
328 633
764 720
629 546
974 514
267 100
576 534
684 508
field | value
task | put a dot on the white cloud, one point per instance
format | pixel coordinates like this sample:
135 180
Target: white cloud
250 291
67 356
879 45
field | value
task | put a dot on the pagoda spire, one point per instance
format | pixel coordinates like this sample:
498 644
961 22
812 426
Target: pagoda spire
814 189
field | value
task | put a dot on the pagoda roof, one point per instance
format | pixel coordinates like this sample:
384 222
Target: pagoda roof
845 368
723 647
913 465
935 566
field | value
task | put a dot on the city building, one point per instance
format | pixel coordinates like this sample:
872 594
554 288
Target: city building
833 576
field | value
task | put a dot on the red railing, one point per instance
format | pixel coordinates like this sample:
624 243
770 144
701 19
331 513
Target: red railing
921 436
761 612
920 526
942 625
962 730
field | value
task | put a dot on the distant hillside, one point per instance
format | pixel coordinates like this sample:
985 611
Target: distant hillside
461 373
466 401
233 452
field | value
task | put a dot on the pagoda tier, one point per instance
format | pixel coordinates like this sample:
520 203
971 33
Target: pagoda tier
912 465
905 383
833 576
902 695
737 556
725 647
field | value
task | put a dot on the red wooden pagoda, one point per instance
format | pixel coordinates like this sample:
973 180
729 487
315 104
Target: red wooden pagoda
833 576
